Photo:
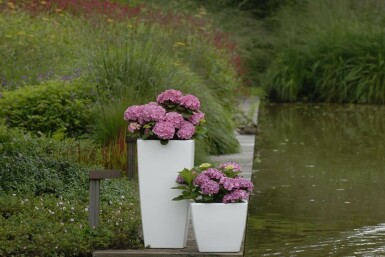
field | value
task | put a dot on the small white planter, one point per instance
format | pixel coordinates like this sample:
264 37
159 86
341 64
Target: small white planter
219 227
165 222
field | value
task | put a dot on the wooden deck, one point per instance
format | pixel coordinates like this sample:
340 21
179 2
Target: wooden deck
245 157
190 251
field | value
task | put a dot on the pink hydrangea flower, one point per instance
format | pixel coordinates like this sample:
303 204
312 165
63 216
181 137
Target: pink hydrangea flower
179 180
196 117
246 184
236 183
186 130
213 173
171 95
133 113
230 166
230 183
164 130
153 112
214 182
175 118
200 179
191 102
209 187
235 196
170 108
133 126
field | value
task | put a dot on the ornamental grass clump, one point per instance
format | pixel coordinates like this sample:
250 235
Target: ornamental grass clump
207 184
172 116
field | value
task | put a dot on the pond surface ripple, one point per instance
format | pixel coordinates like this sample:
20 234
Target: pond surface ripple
319 175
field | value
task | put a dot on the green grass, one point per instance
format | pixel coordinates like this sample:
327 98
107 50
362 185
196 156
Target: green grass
35 49
332 51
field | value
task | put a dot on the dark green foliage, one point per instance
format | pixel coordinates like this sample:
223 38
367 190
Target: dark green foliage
49 226
259 8
44 196
333 51
349 70
54 107
23 173
27 165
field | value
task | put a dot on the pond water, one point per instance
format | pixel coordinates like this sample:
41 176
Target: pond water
320 182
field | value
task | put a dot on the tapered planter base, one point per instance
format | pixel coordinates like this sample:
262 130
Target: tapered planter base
164 222
219 227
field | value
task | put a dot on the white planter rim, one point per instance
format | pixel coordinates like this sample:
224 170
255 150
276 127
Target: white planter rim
170 140
195 203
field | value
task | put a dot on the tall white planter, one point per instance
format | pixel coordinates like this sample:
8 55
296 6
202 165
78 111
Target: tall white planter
165 222
219 227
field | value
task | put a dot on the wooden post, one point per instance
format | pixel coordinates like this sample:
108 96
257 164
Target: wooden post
131 157
94 209
94 191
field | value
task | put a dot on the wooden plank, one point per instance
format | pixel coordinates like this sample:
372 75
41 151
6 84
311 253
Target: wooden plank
190 250
160 253
104 174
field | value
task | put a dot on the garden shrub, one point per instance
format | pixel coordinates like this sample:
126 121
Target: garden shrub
54 107
58 226
47 201
40 175
27 165
333 52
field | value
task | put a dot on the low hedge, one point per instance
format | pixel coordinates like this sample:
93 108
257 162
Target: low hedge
44 196
60 108
58 226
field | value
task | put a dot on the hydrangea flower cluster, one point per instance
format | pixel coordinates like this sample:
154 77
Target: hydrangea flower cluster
209 184
172 116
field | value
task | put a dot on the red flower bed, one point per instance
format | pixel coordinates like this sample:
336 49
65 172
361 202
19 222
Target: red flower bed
83 7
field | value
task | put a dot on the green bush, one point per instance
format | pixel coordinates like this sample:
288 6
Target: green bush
333 52
40 175
30 165
46 196
58 226
54 107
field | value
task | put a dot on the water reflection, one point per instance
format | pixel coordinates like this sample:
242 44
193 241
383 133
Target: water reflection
320 182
